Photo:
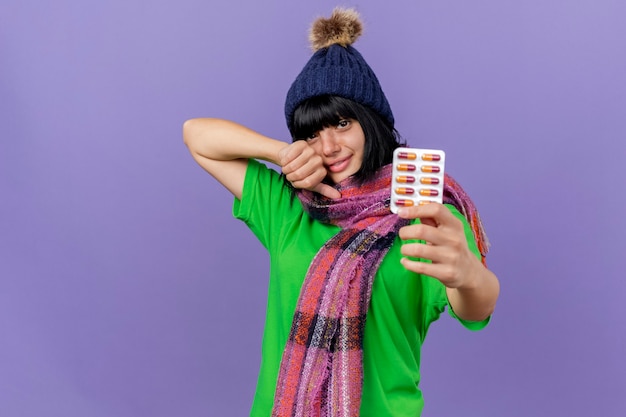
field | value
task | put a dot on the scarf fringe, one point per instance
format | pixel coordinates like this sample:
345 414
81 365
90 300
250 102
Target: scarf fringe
321 369
454 194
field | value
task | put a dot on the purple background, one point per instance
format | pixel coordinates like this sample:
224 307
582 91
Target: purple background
127 289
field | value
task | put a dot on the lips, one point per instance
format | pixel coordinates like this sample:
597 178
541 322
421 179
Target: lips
339 165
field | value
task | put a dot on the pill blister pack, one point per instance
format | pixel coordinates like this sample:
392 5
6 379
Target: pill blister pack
417 177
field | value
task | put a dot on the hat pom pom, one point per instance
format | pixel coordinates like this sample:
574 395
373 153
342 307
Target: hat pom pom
343 27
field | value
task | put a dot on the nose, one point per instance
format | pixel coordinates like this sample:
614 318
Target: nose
330 146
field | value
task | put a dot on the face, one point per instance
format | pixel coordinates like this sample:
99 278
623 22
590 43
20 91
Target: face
341 148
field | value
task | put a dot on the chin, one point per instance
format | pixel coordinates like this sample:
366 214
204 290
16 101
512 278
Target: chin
338 178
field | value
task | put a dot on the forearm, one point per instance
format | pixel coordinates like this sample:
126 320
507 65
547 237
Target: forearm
223 140
476 300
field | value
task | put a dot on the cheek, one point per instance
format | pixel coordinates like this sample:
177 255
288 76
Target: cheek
358 161
361 152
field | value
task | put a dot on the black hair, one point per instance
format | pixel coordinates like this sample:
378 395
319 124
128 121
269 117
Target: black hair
381 138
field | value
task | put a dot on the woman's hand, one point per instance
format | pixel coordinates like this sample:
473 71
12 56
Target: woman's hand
446 245
304 168
472 288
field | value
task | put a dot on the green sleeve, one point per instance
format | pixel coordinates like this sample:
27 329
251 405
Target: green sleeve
266 204
471 242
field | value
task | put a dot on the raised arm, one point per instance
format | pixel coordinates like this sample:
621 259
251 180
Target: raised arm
223 148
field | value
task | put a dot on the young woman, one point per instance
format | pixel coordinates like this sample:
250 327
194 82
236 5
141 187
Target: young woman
353 288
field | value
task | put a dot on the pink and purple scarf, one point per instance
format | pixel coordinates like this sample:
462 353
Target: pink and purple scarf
321 372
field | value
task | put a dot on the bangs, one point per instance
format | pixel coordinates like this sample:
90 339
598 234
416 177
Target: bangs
381 138
319 112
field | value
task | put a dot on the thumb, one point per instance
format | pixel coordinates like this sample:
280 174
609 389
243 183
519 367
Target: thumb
327 191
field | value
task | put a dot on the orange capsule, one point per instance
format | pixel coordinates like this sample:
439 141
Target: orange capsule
429 180
431 157
430 168
406 167
429 193
405 179
424 202
407 155
404 190
404 203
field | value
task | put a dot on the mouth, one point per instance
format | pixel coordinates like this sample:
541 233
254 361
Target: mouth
340 165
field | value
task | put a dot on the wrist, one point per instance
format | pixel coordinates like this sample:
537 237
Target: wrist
473 276
272 151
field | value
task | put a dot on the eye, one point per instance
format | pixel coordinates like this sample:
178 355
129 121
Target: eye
311 137
343 123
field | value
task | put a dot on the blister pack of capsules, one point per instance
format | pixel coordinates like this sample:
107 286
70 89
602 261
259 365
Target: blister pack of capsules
417 177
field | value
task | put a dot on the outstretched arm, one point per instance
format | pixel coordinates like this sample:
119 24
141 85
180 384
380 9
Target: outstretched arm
472 289
223 148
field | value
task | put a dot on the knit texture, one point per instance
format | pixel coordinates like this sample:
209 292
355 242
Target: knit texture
338 69
454 194
321 371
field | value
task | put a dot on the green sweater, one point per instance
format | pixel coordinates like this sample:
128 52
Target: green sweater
402 307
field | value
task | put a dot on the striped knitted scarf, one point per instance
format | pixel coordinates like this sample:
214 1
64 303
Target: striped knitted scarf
321 371
454 194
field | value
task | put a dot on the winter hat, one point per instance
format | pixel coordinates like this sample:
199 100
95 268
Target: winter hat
336 68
